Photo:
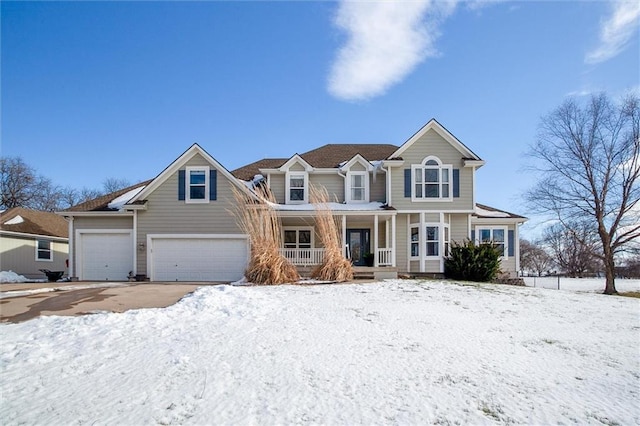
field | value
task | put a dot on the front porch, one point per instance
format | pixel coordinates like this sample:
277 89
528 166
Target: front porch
315 256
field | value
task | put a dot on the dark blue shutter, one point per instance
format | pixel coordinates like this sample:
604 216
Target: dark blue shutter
407 183
213 184
512 244
456 183
181 184
473 235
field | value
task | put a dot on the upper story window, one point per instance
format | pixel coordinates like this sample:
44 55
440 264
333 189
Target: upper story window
357 187
197 181
43 250
431 180
495 236
297 187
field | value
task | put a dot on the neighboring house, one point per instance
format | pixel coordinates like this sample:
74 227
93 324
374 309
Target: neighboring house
404 204
31 240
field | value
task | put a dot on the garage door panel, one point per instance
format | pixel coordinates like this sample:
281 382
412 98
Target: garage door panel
106 256
198 259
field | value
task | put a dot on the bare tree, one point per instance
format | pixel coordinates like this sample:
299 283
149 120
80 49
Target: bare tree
589 160
18 181
114 184
534 257
575 247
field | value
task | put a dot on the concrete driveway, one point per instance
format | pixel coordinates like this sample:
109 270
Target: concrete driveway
22 302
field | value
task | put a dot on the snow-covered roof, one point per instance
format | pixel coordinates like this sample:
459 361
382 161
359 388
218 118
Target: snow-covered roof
483 211
118 202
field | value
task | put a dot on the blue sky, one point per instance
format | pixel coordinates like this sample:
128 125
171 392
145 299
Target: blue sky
93 90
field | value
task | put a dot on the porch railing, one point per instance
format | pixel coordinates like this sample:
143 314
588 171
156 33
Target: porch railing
303 257
385 256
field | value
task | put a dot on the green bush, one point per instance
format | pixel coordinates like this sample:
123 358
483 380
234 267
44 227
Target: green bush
471 262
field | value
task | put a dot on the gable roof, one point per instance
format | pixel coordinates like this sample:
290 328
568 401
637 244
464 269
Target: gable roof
326 157
446 135
178 163
331 155
250 170
102 203
33 222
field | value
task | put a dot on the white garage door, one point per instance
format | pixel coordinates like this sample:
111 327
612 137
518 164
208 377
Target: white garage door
105 256
198 259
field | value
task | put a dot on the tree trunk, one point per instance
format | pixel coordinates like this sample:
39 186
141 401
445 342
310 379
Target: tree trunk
609 267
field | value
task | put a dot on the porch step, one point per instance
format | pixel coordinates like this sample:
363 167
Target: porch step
360 272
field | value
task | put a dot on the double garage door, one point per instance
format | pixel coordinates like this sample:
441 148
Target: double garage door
108 256
205 258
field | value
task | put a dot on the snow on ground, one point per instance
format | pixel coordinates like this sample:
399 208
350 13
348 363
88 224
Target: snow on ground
582 284
11 277
396 352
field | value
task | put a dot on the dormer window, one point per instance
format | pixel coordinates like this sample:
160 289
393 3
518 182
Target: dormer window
431 180
357 190
297 187
197 185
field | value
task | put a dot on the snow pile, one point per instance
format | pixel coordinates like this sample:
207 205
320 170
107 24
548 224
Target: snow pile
398 352
11 277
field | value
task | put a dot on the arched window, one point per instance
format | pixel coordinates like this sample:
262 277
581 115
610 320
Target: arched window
431 180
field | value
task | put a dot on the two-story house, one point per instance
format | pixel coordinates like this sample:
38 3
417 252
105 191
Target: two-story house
403 204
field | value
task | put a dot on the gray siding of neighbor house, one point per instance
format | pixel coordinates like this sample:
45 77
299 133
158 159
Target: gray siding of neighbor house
18 254
431 143
166 214
378 189
277 186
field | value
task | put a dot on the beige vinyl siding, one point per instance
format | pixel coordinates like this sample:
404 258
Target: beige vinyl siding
459 228
277 186
115 221
166 214
431 143
402 242
378 189
333 183
18 254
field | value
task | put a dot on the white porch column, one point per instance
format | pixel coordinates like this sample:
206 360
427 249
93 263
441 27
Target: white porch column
72 253
344 235
375 240
393 241
423 248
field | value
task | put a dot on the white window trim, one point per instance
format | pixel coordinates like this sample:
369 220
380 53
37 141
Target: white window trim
288 188
440 167
348 187
50 259
505 254
299 228
422 240
187 183
439 241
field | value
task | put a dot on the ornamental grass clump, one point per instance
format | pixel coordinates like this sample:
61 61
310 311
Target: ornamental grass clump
471 262
334 266
258 219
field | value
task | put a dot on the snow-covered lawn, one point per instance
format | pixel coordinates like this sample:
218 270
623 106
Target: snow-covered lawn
582 284
397 352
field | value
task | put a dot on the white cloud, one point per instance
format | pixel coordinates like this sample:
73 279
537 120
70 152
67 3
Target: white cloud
616 31
386 40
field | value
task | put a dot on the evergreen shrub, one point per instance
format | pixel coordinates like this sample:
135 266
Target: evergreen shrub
470 262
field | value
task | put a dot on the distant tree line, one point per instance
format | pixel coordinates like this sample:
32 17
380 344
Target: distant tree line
23 186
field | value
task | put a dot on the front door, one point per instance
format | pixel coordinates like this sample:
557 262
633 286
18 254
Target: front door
358 241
